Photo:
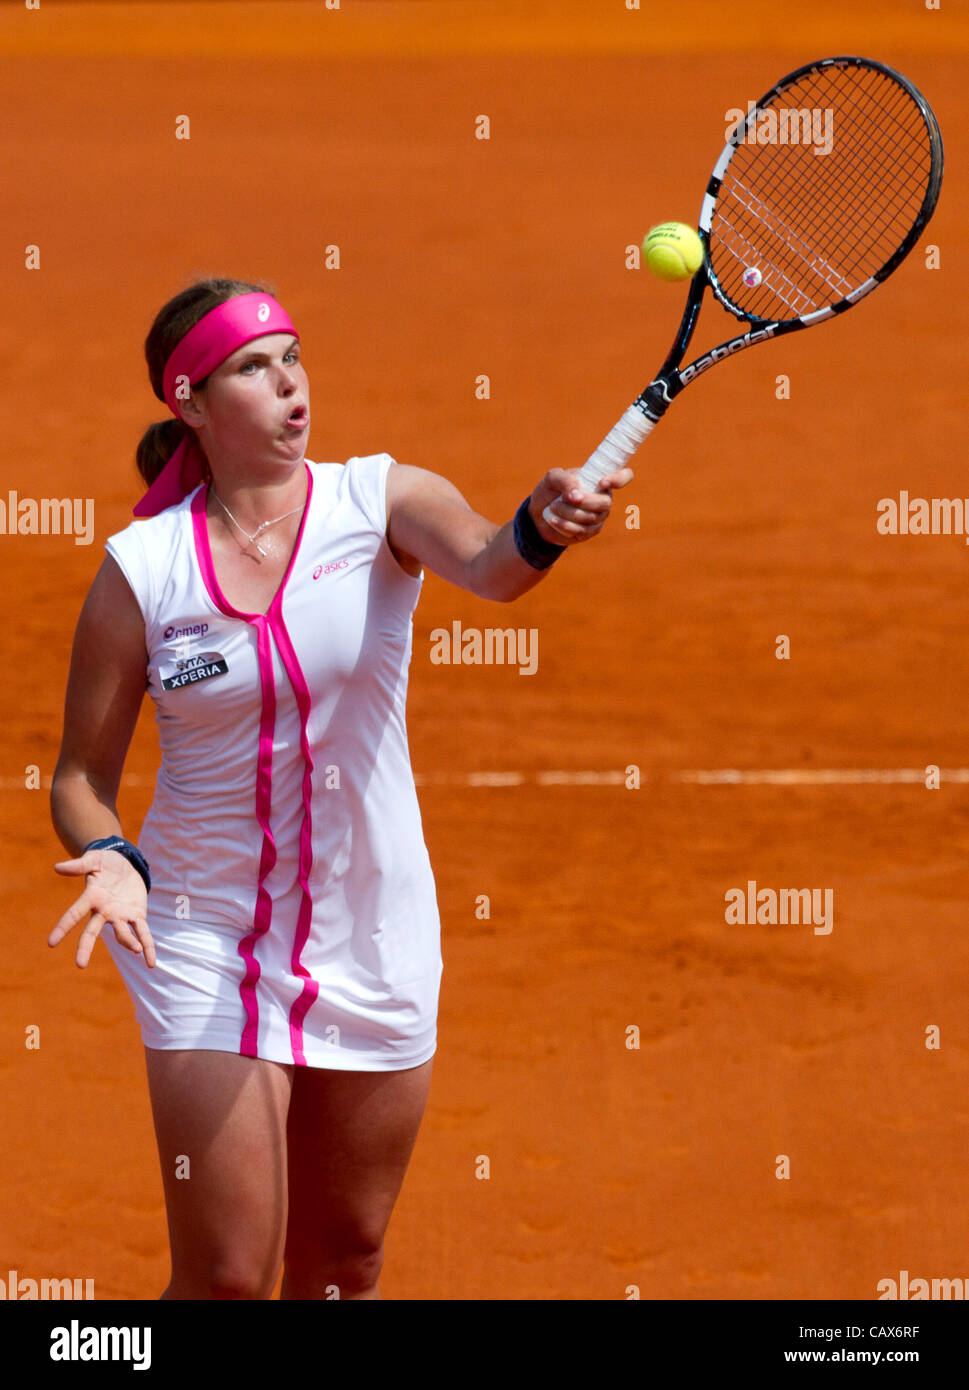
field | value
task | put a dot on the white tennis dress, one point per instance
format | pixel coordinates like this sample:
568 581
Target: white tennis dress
293 907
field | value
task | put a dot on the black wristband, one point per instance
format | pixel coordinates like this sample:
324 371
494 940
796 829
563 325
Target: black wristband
131 852
531 547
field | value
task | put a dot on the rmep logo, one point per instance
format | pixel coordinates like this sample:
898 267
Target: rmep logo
195 630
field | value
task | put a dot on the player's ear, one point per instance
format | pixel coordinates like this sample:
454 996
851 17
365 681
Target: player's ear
190 410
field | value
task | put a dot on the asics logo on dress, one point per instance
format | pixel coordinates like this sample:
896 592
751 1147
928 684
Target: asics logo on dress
193 630
331 568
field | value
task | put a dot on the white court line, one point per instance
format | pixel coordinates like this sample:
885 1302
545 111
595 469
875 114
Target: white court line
815 777
717 777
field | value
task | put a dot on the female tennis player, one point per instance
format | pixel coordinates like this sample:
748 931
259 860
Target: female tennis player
277 925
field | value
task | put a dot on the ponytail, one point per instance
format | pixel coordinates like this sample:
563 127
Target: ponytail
157 445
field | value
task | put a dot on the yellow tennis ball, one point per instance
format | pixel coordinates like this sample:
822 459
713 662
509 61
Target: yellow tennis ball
673 251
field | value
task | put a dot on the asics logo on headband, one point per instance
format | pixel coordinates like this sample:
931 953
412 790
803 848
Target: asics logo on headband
263 312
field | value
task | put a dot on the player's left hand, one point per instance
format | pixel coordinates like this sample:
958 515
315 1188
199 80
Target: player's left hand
114 895
580 514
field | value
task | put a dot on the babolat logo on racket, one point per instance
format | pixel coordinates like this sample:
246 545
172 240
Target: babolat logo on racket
193 669
735 344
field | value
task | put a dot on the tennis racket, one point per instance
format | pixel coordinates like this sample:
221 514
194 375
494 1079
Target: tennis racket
821 191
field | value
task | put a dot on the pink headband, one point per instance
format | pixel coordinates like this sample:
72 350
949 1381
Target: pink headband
225 329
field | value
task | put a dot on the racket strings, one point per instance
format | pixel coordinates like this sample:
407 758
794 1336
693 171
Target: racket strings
861 164
863 158
781 283
819 217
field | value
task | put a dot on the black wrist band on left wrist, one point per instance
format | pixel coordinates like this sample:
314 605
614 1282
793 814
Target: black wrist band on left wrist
131 852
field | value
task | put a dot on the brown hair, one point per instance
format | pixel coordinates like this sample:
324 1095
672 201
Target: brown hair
172 322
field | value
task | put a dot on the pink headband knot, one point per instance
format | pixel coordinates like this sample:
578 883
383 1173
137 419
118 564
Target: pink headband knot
222 331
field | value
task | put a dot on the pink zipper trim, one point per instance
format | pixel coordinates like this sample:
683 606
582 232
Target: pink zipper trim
248 1044
266 624
304 700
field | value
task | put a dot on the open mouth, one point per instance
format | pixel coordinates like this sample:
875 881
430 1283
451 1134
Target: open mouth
298 418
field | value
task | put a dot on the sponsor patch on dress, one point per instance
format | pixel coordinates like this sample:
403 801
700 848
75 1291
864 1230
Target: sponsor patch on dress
193 669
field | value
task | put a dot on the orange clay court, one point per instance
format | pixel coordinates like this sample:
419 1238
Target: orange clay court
613 1168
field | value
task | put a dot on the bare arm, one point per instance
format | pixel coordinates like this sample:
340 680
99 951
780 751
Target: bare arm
430 523
105 688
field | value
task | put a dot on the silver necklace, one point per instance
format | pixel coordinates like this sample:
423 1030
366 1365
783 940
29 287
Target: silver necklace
259 529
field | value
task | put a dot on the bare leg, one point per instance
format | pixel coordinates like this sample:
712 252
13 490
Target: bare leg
350 1138
220 1121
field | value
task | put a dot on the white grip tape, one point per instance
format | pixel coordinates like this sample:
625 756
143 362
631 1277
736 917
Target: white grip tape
614 452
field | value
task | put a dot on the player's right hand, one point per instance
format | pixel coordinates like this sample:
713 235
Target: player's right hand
580 512
114 894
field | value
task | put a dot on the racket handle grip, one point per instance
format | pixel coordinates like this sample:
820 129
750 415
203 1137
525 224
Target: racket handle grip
614 452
